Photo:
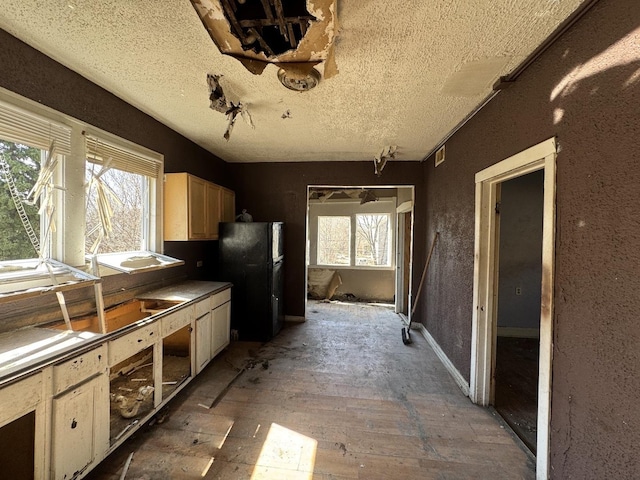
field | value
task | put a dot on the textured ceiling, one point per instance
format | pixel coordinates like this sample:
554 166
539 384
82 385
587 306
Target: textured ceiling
408 71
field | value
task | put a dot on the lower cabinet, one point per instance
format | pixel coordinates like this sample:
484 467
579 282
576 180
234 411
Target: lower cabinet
212 329
80 428
60 422
204 332
221 328
23 430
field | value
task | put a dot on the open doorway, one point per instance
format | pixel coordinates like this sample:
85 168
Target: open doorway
519 265
491 184
359 245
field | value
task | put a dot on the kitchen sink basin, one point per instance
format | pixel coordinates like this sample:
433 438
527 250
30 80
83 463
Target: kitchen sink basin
119 316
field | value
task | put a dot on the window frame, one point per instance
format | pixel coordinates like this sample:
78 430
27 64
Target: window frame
67 244
339 207
349 243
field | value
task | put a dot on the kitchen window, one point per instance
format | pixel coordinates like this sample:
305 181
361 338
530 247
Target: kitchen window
68 189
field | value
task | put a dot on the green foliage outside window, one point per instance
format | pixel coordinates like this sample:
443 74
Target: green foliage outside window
24 163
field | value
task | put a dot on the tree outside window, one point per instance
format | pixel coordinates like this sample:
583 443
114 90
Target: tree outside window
334 240
24 164
126 198
372 240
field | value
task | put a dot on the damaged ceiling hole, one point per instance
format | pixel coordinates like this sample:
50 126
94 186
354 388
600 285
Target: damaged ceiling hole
268 26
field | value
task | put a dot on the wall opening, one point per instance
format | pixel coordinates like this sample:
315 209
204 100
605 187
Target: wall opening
486 286
519 272
359 244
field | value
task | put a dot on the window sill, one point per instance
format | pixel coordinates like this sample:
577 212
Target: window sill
354 267
133 262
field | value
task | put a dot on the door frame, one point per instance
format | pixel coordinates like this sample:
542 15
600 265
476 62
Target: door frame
403 297
539 157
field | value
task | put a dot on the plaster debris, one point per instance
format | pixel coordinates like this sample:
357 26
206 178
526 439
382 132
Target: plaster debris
217 98
286 114
380 160
295 33
220 103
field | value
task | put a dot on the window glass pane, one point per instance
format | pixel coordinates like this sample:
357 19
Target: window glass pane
334 240
372 240
24 166
123 194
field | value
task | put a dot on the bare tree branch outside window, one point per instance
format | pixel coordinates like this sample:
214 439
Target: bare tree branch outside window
334 240
127 213
372 239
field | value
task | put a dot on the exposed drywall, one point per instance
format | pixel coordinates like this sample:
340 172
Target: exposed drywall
377 286
278 191
585 90
520 262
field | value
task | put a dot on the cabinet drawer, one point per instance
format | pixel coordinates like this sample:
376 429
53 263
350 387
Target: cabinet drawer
74 371
131 343
220 298
176 321
203 306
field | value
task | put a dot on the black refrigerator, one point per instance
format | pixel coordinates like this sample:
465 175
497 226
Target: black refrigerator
251 257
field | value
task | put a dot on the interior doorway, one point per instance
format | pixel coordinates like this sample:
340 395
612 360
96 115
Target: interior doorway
490 186
359 244
519 216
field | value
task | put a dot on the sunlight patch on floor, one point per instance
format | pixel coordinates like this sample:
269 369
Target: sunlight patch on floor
285 454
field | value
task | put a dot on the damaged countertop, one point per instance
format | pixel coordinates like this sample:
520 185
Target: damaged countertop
27 351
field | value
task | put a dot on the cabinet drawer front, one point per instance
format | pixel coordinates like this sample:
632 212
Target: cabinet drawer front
203 306
220 298
176 321
131 343
74 371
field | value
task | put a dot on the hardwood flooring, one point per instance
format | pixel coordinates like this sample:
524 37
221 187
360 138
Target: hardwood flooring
336 398
516 394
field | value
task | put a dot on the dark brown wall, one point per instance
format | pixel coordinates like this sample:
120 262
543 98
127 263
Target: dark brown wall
32 74
278 192
586 91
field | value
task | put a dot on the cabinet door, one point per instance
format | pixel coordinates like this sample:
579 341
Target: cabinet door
213 197
80 436
203 341
228 206
221 324
197 208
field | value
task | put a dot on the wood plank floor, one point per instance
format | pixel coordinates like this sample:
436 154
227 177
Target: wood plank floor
336 398
516 396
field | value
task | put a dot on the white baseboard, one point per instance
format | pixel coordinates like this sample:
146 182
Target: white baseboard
294 319
518 332
453 371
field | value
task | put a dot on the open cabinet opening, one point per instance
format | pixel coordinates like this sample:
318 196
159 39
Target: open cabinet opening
17 442
131 389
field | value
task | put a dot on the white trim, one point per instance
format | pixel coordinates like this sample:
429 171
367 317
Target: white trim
538 157
405 207
295 318
517 332
453 371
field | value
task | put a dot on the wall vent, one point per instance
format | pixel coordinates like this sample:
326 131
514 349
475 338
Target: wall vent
440 155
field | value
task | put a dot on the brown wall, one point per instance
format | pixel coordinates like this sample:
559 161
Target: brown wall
32 74
278 192
591 74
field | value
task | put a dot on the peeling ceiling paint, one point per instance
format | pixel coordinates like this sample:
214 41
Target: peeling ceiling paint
408 71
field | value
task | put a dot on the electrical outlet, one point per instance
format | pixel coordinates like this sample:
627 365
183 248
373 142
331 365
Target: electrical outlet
199 263
518 290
